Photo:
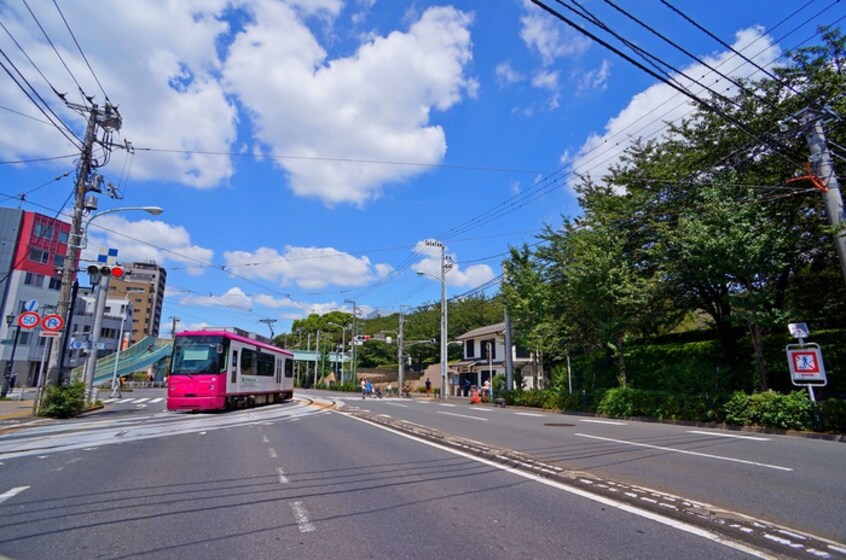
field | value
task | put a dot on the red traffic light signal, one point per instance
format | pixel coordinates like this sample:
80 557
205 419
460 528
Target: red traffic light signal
116 271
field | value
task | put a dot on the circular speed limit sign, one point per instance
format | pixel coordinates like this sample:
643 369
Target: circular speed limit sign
52 323
28 319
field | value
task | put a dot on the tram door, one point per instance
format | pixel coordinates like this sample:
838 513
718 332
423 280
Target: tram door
232 382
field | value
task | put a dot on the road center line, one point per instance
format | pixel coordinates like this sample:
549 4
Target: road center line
271 452
685 452
462 416
529 414
301 515
718 434
12 493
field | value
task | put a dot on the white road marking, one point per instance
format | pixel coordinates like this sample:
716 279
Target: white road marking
107 401
463 416
160 399
530 414
658 518
126 400
398 404
142 399
449 405
272 453
718 434
282 478
301 515
609 422
12 493
264 439
685 452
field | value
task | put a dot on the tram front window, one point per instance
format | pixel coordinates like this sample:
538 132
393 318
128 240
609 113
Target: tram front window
200 355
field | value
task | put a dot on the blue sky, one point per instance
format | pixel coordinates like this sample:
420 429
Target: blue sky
304 150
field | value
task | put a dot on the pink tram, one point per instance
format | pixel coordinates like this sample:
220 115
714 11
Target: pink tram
218 369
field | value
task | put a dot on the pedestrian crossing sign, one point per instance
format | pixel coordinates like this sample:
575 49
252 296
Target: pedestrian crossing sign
806 364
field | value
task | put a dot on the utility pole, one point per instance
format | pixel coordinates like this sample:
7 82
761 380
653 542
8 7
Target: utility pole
353 341
109 119
401 366
818 146
509 358
173 321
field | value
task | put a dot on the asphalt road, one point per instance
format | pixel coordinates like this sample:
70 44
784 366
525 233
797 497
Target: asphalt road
302 481
793 481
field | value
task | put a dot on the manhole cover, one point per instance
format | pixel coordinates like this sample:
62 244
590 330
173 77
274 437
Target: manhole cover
559 424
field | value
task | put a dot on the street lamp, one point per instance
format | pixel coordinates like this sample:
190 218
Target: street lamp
154 210
8 375
445 266
102 283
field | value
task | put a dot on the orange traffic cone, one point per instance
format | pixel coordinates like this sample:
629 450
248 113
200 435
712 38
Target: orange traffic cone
474 397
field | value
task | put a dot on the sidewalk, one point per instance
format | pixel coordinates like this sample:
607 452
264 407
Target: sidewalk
14 409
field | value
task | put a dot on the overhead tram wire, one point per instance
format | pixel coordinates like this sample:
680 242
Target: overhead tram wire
769 74
598 151
44 107
85 58
55 50
612 156
680 48
670 82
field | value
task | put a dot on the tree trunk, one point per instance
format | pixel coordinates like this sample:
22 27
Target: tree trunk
758 344
621 360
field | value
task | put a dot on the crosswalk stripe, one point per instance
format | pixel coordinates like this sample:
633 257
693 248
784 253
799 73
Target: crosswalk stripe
107 401
142 399
160 399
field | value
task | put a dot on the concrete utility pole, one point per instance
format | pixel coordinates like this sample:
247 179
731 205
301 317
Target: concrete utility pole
818 146
353 341
109 119
102 283
401 365
509 358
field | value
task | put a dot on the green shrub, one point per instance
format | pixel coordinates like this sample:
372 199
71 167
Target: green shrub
65 401
793 411
623 402
832 416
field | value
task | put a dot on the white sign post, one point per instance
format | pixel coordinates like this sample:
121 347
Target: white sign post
805 360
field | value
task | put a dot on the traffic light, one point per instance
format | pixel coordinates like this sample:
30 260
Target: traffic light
115 271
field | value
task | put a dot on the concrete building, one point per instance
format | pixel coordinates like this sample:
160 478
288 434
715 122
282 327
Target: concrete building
116 312
32 249
143 284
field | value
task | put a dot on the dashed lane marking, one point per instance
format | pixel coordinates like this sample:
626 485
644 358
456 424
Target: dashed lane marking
12 493
301 515
718 434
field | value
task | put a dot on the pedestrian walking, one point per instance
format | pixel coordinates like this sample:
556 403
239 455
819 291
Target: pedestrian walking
428 387
363 389
117 388
368 388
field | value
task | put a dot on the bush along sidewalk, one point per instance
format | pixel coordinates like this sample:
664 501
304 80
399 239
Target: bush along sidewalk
771 410
792 411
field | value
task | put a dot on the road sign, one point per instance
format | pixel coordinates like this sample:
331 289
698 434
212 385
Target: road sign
49 334
806 364
28 320
52 323
31 305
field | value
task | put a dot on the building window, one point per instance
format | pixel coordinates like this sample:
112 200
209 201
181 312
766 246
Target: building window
63 237
58 261
491 343
470 350
39 255
32 279
55 284
44 231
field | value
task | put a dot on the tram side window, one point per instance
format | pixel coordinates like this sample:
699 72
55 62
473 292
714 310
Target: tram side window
247 362
265 365
289 368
